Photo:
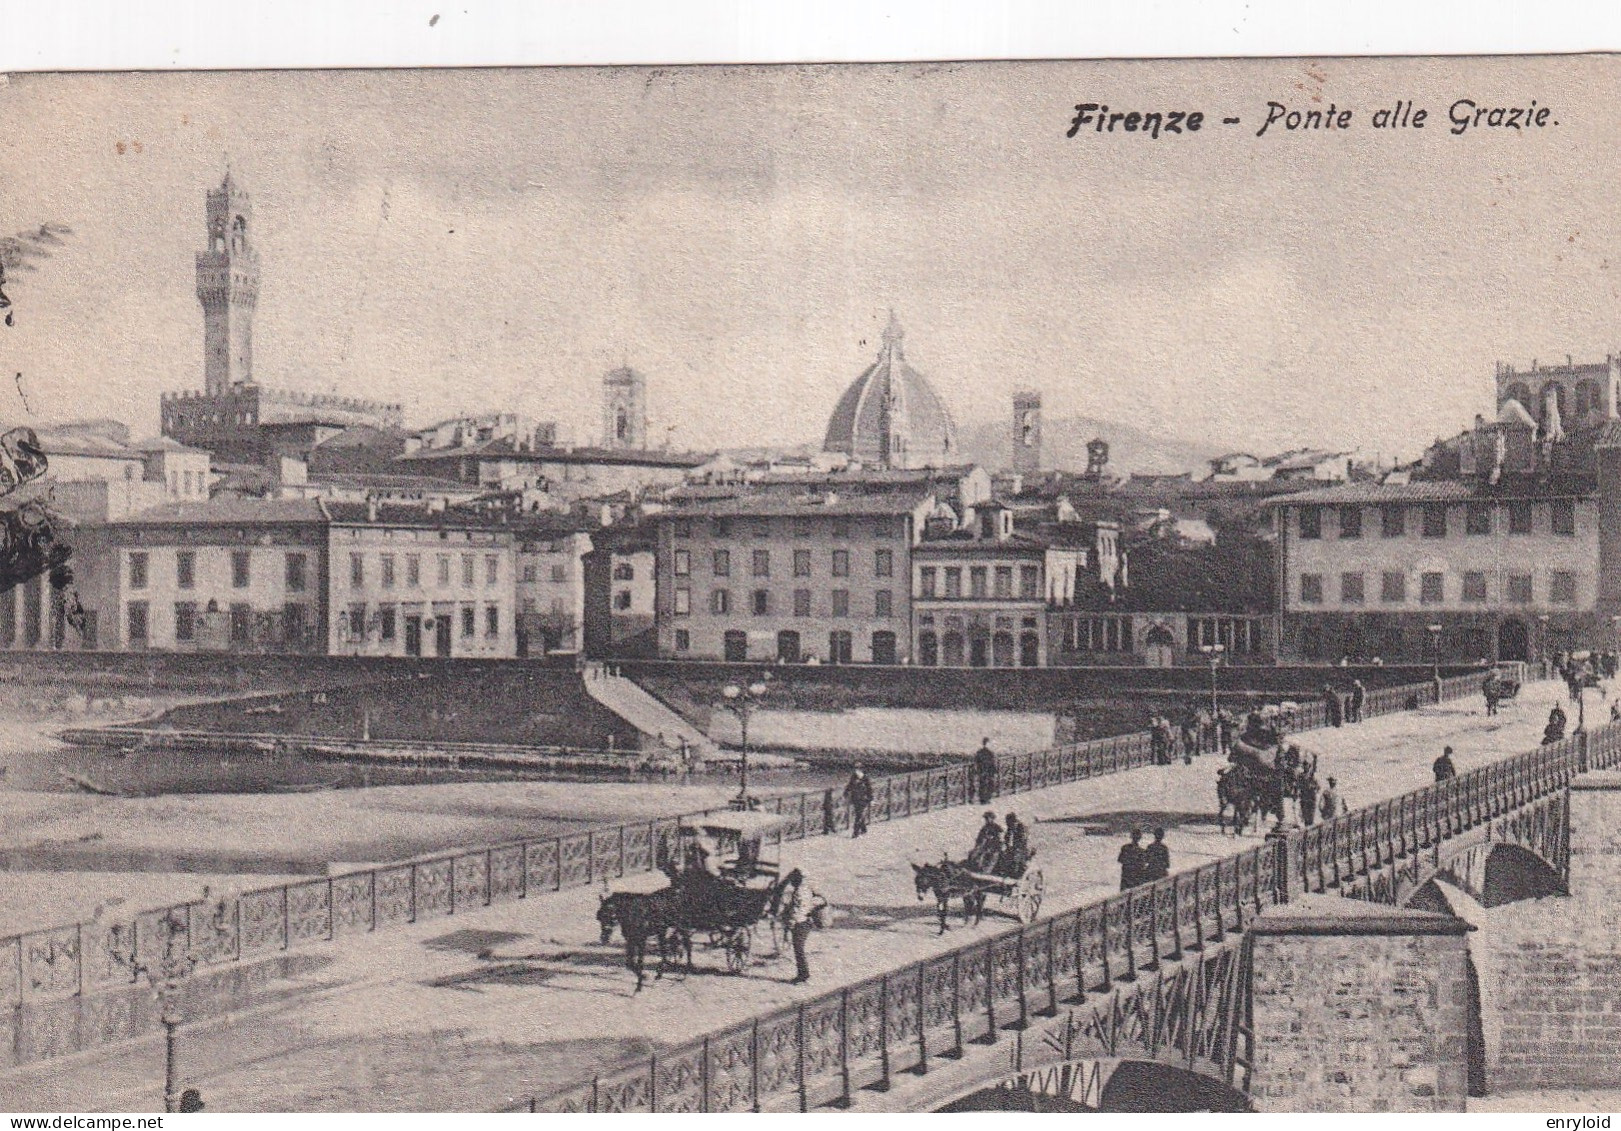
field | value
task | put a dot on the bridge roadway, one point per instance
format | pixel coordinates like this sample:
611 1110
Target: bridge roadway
518 998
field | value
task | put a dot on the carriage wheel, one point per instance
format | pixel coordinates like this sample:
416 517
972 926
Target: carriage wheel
738 945
1028 896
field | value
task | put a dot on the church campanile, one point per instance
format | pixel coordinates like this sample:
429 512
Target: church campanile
228 288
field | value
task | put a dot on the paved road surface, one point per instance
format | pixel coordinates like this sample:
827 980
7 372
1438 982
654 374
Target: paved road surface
463 1013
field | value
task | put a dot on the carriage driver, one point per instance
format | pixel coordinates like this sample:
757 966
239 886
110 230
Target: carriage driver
987 848
1015 848
703 855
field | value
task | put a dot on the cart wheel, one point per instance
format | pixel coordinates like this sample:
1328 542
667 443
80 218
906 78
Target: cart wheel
1029 896
737 949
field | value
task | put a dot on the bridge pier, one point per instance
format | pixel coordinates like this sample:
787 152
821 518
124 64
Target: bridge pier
1357 1006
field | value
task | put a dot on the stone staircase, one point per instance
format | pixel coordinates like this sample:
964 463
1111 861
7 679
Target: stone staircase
630 702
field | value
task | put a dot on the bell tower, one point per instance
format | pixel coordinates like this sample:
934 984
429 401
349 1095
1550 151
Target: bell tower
228 288
624 409
1027 433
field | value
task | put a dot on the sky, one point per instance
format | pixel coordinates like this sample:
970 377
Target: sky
462 241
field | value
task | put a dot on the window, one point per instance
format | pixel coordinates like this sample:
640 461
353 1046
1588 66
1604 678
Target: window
1351 589
413 571
683 527
387 570
883 603
761 601
492 621
925 581
762 563
1474 586
802 602
137 570
624 571
953 581
1478 519
467 576
1030 582
292 623
683 640
385 619
976 581
1519 588
683 602
622 600
802 563
1435 520
241 624
357 571
185 569
760 528
802 527
1393 586
841 563
559 572
469 620
1562 517
1100 634
1311 522
239 569
1562 587
492 569
723 563
883 527
720 601
883 563
1004 582
185 620
295 573
1519 517
444 571
840 528
1350 522
1393 521
722 527
1431 589
1311 588
357 622
137 624
683 563
838 647
841 602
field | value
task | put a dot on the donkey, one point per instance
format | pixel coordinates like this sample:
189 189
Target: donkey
949 880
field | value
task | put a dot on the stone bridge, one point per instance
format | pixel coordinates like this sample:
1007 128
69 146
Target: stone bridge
1216 988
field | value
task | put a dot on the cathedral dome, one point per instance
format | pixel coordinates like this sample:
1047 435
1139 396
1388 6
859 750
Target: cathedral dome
891 416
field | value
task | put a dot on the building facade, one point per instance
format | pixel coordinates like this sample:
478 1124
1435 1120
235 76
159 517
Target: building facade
419 582
814 578
551 588
1506 571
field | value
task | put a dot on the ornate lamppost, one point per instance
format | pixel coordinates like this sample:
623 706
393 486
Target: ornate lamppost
1435 658
1542 641
741 699
167 977
1213 653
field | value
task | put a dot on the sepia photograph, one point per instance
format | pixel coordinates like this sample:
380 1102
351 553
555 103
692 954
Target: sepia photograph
1028 586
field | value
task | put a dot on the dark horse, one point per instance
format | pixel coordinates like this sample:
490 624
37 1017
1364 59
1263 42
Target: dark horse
949 880
639 918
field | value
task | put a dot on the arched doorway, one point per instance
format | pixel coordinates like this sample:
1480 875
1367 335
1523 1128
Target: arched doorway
928 649
883 647
951 650
788 646
1029 650
1513 640
736 645
1002 649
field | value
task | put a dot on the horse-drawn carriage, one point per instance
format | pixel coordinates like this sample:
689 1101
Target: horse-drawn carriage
1510 677
1262 769
1010 879
721 888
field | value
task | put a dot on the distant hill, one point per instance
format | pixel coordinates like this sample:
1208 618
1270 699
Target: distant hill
1064 446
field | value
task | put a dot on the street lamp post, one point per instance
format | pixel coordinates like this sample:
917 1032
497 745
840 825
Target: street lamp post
1213 654
741 700
1542 641
1435 657
167 979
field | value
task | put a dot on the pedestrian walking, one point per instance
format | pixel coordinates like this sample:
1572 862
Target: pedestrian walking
798 911
1492 689
1329 803
858 792
1015 848
1131 861
1335 709
1359 695
1306 791
1156 859
1443 767
1190 733
985 771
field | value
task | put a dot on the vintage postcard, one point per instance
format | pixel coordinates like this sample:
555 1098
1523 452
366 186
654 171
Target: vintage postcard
1005 586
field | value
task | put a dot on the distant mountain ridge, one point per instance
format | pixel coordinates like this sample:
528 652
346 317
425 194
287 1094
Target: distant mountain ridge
1064 443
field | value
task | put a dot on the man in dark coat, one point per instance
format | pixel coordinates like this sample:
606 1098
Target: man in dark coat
1306 795
858 792
1015 848
1444 769
985 771
987 850
1156 859
1331 700
1131 861
1359 695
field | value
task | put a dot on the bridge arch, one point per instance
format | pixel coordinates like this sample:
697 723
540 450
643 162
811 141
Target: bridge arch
1491 872
1107 1085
